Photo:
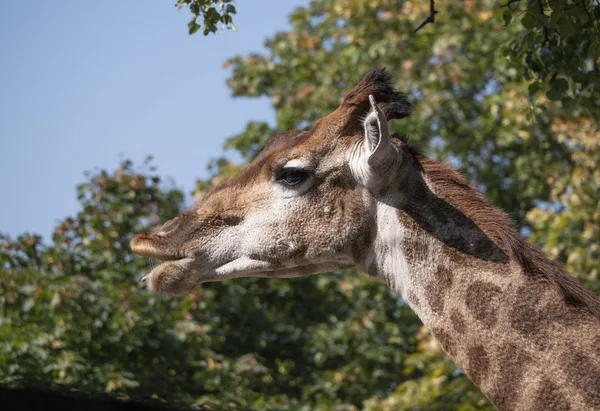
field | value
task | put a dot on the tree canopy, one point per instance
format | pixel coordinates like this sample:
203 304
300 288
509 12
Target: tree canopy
506 92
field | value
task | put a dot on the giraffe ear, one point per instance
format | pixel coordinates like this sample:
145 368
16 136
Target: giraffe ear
377 143
375 159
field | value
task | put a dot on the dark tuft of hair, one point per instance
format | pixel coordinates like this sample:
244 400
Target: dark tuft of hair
379 83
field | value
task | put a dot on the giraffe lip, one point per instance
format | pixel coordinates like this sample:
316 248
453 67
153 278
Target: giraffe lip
168 276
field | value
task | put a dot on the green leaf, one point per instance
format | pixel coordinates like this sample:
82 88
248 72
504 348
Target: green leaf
193 27
566 26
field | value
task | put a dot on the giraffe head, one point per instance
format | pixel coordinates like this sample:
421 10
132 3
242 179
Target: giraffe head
302 207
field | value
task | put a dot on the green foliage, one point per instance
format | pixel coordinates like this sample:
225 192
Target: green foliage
558 49
516 112
209 15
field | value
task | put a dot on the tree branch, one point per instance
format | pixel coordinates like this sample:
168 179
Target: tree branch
431 18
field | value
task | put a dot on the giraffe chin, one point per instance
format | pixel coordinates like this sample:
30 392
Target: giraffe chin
174 277
182 276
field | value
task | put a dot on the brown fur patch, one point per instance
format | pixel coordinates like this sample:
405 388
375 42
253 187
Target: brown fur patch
513 362
453 188
584 374
415 250
360 246
435 290
478 363
445 340
483 300
458 322
525 316
459 259
549 397
536 308
414 300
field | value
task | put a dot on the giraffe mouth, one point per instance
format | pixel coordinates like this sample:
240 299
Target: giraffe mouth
180 276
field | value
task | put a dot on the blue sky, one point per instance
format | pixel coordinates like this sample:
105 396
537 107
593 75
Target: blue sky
83 82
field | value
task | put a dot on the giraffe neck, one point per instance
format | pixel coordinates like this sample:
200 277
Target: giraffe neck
513 334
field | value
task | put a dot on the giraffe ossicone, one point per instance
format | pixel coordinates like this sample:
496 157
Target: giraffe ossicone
346 193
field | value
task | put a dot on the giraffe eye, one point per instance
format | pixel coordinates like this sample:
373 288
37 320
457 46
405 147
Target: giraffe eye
292 176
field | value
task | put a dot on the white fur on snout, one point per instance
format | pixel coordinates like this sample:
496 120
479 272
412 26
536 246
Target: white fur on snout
248 246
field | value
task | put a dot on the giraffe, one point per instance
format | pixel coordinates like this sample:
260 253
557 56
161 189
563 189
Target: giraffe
347 193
